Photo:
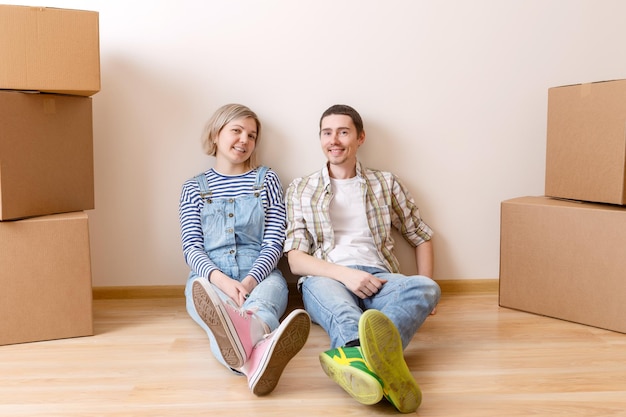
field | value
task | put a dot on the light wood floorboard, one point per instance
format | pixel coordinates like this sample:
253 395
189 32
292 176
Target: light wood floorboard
472 358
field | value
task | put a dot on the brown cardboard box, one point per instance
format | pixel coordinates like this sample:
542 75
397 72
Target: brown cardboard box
46 154
45 278
586 142
49 49
564 259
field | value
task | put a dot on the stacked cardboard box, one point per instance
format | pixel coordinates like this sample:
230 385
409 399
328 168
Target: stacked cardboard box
49 69
563 254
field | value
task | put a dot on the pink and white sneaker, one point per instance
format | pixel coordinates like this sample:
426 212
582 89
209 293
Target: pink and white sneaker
236 331
271 355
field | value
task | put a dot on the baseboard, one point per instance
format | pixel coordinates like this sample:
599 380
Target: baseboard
453 286
153 291
474 286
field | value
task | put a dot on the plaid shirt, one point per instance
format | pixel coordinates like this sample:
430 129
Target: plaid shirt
387 201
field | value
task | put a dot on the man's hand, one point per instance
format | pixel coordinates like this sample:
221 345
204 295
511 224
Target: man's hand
361 283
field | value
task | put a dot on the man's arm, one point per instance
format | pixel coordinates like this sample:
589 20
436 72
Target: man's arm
424 256
361 283
302 264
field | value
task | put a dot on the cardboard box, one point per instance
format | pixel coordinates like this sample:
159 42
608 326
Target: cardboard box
586 142
46 154
564 259
45 276
49 49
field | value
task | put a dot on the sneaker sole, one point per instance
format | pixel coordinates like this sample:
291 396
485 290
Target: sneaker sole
381 347
362 387
294 332
208 306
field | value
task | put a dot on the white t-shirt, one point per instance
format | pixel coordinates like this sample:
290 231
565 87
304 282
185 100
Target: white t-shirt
354 244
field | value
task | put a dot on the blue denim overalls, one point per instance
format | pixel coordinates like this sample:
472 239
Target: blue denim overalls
233 232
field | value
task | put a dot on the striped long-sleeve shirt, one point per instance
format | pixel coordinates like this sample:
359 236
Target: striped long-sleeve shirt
222 186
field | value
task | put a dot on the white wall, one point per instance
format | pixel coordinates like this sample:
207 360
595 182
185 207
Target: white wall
453 94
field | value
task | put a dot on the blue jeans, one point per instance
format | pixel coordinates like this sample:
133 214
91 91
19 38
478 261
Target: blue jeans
406 300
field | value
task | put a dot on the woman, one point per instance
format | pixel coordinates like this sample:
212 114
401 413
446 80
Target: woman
232 227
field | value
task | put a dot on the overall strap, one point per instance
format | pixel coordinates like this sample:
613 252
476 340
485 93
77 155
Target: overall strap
205 191
260 177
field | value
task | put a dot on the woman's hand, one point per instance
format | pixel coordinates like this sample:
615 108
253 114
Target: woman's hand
235 290
231 287
249 284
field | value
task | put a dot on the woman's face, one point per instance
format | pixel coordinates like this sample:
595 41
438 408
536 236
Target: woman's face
236 141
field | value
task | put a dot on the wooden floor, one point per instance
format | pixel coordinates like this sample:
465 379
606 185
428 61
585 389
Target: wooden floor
471 359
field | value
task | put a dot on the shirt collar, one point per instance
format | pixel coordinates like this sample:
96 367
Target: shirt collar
326 174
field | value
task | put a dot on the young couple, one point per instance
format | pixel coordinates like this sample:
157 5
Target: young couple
335 228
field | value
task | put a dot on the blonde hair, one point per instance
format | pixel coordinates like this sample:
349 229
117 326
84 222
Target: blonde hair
221 118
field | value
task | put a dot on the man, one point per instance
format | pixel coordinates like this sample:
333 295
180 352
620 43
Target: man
339 241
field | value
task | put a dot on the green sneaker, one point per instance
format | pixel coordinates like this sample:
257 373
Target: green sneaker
381 347
347 368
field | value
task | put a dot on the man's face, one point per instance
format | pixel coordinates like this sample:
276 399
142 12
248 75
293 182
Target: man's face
339 140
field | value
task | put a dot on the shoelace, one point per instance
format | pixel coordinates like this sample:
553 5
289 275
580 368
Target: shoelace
249 314
234 306
241 311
